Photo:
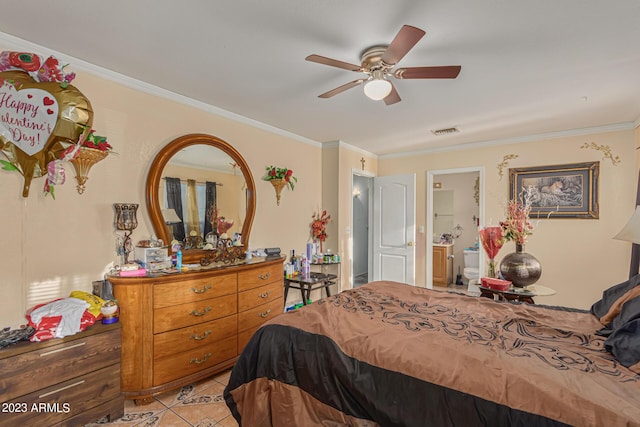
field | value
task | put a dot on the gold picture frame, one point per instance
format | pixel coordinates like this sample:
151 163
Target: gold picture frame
559 191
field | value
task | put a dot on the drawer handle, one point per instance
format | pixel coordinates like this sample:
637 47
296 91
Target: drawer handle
199 361
264 314
264 294
62 349
200 313
264 276
201 291
197 337
60 389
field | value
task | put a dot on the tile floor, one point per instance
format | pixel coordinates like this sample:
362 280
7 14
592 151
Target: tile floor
196 405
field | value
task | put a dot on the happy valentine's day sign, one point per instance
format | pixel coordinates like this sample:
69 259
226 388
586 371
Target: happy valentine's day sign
27 117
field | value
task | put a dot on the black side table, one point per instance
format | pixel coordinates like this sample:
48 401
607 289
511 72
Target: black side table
307 284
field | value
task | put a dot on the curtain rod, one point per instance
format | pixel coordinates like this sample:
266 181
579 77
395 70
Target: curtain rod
198 182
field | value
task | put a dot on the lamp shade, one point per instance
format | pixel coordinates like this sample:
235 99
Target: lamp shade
377 89
631 231
170 216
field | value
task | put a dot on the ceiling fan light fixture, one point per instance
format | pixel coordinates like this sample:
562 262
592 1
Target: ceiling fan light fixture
377 87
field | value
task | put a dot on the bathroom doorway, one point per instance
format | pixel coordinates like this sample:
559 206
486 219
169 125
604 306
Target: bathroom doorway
455 207
362 192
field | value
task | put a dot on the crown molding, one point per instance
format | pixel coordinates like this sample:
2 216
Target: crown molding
518 140
346 146
15 43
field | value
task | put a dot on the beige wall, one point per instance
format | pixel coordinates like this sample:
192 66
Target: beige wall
579 257
52 247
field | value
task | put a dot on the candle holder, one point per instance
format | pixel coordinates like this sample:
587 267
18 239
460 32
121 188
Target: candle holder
125 220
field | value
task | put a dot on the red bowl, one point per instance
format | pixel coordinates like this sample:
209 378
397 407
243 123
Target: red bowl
496 284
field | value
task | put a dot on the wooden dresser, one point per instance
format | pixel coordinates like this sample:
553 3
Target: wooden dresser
67 381
183 327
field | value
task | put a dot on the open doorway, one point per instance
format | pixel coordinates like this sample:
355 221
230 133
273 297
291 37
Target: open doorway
362 192
455 202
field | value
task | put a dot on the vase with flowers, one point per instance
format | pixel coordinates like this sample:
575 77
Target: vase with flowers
280 178
492 240
520 267
319 227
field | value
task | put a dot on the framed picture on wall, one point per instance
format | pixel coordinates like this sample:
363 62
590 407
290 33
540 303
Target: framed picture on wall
559 191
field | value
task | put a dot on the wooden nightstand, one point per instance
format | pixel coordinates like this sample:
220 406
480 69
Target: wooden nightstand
64 381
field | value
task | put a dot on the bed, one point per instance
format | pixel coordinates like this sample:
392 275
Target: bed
390 354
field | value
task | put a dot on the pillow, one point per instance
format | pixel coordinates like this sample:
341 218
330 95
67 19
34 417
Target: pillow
613 299
624 344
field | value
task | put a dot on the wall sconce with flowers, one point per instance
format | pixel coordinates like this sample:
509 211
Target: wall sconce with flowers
280 178
89 150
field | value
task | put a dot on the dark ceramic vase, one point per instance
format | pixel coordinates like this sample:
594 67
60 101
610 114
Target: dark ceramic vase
520 268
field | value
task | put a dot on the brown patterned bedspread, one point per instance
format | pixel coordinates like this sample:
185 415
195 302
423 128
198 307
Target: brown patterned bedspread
391 354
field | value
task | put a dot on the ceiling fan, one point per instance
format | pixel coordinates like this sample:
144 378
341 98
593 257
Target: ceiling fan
378 62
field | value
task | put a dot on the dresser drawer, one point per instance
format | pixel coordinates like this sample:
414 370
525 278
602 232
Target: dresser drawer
52 405
169 294
191 337
188 362
260 276
255 317
34 370
258 296
180 316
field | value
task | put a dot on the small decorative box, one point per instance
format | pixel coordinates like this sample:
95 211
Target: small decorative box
496 284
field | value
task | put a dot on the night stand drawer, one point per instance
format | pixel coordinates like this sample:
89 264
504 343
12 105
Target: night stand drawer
54 404
52 364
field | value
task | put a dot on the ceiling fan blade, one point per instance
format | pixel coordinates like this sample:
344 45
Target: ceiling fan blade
393 97
333 62
341 89
406 38
442 72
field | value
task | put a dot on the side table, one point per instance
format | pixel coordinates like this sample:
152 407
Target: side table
525 294
307 284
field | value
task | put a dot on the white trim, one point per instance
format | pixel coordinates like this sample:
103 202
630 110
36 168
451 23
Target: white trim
518 140
341 144
371 175
429 213
79 65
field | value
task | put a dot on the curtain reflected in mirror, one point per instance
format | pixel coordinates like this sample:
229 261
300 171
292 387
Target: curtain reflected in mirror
197 192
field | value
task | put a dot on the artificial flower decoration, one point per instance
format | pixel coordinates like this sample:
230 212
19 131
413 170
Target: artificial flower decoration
82 163
517 227
96 142
274 172
319 226
492 240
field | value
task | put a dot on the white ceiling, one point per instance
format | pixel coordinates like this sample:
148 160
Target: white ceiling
529 68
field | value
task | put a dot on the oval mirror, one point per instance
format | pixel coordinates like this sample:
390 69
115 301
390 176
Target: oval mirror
187 179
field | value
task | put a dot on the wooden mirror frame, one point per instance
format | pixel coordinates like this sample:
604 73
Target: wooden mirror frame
153 187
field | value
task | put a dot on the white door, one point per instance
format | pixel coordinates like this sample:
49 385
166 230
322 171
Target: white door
394 228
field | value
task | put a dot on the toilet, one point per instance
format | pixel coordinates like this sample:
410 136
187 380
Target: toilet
471 270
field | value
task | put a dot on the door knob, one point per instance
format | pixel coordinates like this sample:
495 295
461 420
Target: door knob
410 244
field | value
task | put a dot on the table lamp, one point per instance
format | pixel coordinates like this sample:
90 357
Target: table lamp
631 233
171 218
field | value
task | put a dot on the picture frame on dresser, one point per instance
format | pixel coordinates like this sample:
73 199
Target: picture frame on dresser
559 191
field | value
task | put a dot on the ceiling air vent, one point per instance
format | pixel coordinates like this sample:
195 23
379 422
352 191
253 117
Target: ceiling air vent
447 131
